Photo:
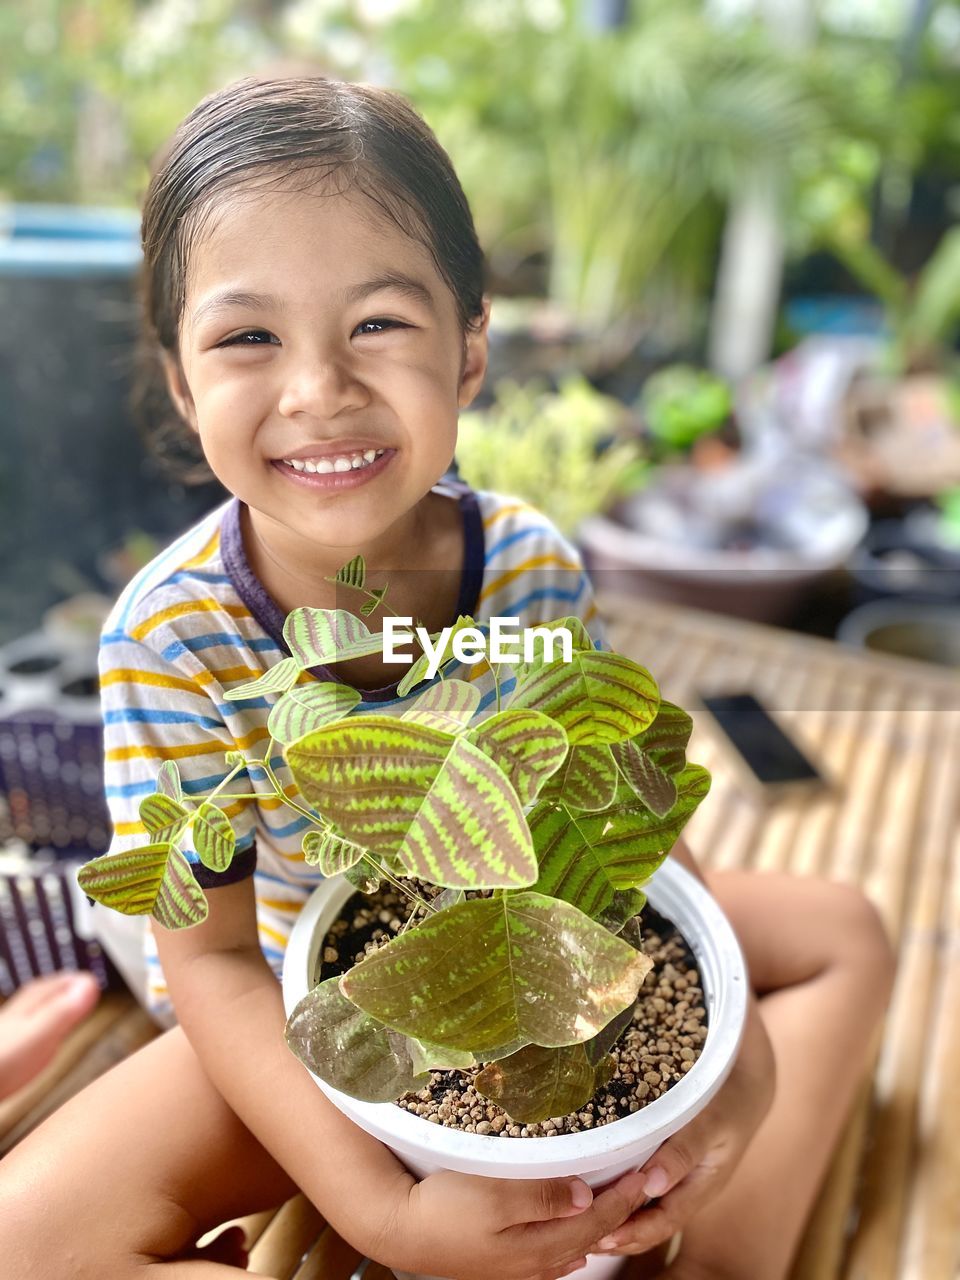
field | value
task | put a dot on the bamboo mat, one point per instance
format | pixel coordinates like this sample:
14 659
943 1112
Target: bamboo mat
887 731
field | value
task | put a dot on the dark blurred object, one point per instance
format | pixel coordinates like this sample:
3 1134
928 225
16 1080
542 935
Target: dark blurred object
907 629
906 559
75 477
51 750
45 923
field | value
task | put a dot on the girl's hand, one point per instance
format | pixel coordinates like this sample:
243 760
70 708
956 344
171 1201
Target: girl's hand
692 1167
472 1228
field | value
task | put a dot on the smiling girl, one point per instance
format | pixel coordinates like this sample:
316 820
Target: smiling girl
314 293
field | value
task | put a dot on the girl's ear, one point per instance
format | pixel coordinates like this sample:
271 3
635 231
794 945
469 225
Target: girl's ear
178 390
474 364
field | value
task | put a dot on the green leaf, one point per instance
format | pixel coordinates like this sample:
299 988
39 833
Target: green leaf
168 781
496 972
233 758
348 1049
310 706
536 1084
213 837
153 880
362 876
587 779
578 634
598 697
436 1057
353 573
448 705
282 676
527 747
401 788
377 598
320 637
418 671
651 784
621 909
164 818
585 857
665 741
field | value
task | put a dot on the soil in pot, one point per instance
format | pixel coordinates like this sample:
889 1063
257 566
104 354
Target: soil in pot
661 1043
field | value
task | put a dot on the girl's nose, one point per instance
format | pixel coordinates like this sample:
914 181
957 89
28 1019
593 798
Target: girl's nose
322 389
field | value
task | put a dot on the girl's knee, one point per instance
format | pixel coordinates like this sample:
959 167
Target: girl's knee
861 938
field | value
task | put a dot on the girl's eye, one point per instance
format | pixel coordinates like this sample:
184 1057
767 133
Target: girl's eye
379 326
240 339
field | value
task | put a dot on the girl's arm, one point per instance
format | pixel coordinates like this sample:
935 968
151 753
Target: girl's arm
231 1009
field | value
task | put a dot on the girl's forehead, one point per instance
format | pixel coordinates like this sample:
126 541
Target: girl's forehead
338 234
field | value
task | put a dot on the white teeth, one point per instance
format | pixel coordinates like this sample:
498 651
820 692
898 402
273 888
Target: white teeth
324 466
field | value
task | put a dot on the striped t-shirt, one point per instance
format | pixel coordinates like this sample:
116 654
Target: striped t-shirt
197 622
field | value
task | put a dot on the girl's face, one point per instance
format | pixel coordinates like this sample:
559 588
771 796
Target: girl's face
314 329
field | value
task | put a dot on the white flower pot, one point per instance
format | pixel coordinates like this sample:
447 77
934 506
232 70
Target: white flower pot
600 1155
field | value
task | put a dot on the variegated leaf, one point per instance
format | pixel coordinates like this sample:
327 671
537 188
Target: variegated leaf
394 785
470 832
352 574
282 676
527 746
180 900
369 775
331 853
651 784
586 780
127 882
319 637
598 697
377 597
536 1084
310 706
586 857
348 1049
213 837
448 705
168 781
491 972
665 742
164 818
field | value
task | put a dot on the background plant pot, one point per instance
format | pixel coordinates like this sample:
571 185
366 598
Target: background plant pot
748 539
906 628
30 669
598 1155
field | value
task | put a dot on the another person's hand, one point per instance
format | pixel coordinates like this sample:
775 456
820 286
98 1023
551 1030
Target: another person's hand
693 1166
472 1228
35 1021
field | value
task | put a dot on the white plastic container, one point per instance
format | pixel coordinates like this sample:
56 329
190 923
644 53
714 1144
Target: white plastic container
598 1156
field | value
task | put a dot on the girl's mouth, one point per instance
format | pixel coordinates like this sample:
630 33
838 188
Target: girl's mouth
332 473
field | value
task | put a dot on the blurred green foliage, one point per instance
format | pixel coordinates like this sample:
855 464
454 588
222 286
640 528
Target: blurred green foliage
609 156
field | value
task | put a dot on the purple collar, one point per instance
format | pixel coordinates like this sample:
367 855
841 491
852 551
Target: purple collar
271 617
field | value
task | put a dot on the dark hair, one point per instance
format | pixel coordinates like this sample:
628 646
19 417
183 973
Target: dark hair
289 132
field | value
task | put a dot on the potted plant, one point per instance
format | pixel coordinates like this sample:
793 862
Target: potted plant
524 844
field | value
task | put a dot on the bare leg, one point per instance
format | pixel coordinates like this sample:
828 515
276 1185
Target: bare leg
125 1177
822 965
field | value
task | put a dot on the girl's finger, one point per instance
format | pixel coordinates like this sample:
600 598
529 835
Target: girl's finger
672 1162
658 1222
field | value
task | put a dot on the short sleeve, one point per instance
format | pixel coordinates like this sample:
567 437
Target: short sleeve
154 711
